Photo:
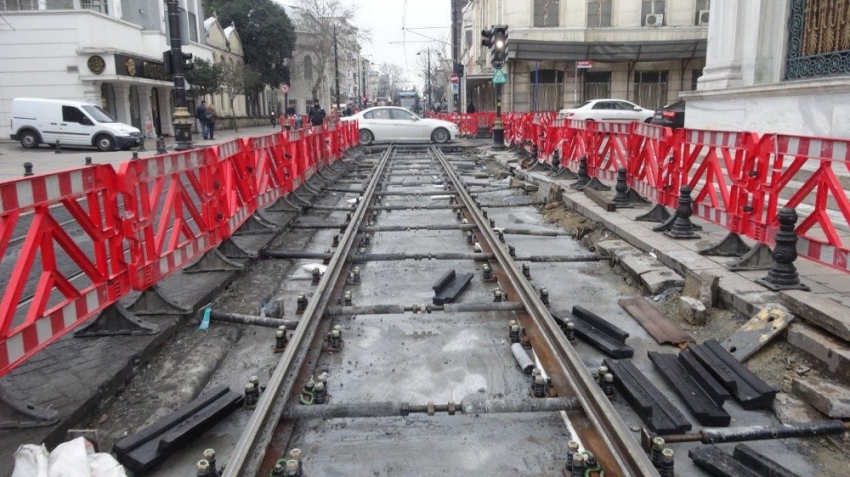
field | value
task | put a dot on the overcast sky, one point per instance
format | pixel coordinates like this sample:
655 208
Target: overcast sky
393 44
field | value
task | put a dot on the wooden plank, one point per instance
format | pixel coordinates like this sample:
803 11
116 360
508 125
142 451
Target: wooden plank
600 199
661 328
758 331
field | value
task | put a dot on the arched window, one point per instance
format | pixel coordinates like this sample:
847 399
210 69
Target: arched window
308 68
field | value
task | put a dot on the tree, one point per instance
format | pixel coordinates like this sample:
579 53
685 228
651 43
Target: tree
391 80
267 33
238 79
204 79
318 20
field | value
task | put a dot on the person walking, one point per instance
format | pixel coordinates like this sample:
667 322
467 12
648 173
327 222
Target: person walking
201 116
470 108
317 114
210 117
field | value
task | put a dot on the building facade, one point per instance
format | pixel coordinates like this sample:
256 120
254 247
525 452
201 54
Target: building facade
564 52
226 50
107 52
778 66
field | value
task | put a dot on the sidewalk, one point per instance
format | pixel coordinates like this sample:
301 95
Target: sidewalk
13 155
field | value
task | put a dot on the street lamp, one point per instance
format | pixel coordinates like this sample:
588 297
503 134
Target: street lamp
428 52
182 119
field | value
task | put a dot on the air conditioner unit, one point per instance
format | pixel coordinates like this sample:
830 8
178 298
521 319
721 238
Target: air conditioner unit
703 17
654 20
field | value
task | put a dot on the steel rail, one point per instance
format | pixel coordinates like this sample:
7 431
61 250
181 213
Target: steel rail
626 451
248 453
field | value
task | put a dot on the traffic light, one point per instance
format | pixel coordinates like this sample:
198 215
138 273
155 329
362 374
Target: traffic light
487 40
188 64
166 62
500 46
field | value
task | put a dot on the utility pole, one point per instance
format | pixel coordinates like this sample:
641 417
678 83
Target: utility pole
336 67
182 120
430 92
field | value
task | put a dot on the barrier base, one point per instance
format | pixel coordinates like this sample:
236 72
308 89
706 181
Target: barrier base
116 320
759 257
566 173
18 414
153 302
297 198
596 184
633 199
536 166
213 261
255 225
731 246
779 285
659 214
284 205
231 249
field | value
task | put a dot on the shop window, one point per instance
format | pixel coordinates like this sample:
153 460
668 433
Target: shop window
547 89
107 99
654 8
135 109
546 13
650 89
598 13
596 85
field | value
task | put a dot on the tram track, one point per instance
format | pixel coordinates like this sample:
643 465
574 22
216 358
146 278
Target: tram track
591 420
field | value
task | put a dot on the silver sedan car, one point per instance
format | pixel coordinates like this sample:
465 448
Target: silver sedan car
394 124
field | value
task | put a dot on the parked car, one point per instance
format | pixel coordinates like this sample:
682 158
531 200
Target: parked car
72 123
607 110
390 123
672 115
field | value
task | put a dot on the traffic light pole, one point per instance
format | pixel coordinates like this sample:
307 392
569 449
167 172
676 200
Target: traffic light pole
181 119
498 128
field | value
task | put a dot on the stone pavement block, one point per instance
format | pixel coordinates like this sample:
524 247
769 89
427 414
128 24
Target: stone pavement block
637 263
692 310
658 281
611 247
838 283
821 312
835 355
790 410
828 398
683 261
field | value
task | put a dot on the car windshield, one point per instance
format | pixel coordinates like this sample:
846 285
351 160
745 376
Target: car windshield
99 114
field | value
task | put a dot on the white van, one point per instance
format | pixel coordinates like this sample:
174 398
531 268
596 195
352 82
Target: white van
72 123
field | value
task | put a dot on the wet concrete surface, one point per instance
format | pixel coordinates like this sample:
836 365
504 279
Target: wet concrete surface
420 357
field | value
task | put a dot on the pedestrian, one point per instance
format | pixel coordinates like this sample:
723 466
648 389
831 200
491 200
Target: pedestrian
349 111
210 116
273 115
470 108
317 114
201 116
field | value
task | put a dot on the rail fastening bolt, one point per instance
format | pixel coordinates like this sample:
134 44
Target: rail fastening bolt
655 451
339 329
295 454
301 303
571 332
209 456
292 468
667 464
608 385
578 465
203 467
279 341
319 393
544 296
492 223
514 334
459 214
327 258
501 236
317 276
497 295
250 401
336 240
347 298
470 238
278 470
526 270
484 213
511 250
256 382
487 272
355 275
538 387
335 340
600 372
572 449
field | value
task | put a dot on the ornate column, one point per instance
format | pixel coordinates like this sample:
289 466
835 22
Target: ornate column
726 32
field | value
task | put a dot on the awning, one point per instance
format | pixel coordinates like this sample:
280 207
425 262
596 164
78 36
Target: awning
476 80
606 52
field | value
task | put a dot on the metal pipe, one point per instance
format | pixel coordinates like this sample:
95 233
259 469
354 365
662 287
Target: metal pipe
252 320
525 363
448 308
384 257
398 256
389 193
298 255
756 433
391 409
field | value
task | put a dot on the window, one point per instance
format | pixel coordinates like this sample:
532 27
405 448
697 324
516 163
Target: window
596 85
598 13
71 114
107 98
193 27
651 7
467 39
695 74
547 88
702 5
308 68
401 115
15 5
602 105
650 89
623 106
382 113
546 13
96 5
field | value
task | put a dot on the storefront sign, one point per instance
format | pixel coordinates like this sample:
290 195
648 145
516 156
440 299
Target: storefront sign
584 64
140 68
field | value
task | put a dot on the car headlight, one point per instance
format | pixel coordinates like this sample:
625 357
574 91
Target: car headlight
124 132
453 126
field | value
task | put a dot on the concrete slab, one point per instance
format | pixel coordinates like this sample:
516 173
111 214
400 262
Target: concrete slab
834 355
638 263
829 398
823 313
658 281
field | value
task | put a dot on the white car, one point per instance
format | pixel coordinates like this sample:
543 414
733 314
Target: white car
607 110
394 124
